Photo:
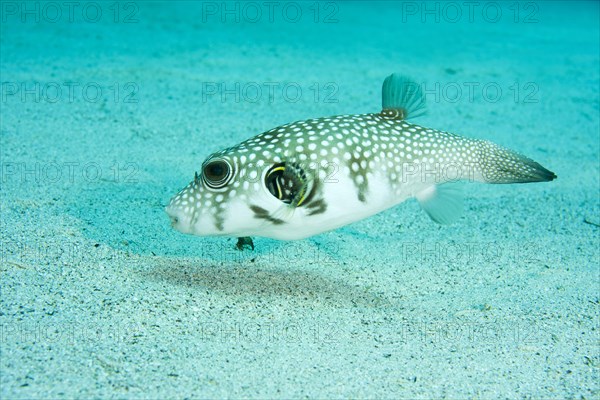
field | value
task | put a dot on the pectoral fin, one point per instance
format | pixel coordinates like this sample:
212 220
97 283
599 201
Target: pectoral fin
290 183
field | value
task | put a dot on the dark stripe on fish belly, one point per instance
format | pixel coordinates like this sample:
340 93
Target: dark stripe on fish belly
261 213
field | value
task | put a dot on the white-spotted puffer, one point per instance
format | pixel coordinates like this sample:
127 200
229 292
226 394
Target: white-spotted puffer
312 176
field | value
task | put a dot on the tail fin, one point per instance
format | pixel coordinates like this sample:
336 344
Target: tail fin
497 164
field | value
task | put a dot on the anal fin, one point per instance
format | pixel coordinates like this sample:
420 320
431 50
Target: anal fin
444 203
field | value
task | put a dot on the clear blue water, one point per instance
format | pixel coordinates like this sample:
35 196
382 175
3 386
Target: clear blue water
108 109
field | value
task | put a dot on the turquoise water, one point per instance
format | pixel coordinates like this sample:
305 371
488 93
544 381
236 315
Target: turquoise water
108 109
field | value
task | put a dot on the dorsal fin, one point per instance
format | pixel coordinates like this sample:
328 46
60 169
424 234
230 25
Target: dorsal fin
402 98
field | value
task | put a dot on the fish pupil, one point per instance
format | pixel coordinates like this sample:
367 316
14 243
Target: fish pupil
216 171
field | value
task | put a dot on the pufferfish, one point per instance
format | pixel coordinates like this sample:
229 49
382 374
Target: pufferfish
316 175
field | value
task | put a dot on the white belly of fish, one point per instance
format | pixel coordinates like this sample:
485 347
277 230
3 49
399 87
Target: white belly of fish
343 207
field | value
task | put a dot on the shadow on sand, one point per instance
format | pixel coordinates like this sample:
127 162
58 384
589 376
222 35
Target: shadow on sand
242 281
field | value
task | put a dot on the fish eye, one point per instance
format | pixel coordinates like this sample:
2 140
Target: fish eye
217 173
